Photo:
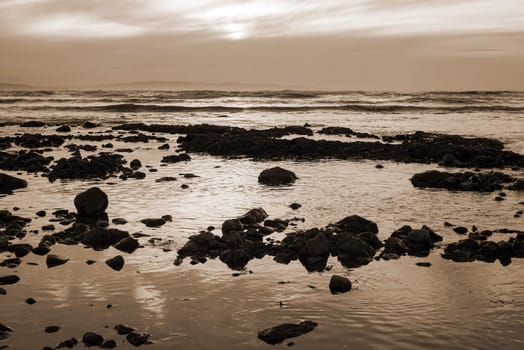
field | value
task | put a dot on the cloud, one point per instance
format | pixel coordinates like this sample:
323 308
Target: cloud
240 19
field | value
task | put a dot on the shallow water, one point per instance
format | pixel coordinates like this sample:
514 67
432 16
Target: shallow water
393 304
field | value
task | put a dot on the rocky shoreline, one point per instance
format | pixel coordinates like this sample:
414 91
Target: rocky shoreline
353 240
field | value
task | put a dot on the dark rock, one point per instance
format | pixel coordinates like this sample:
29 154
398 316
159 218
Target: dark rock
69 343
123 329
295 206
9 183
466 181
284 331
30 301
9 279
119 221
128 245
41 213
395 245
135 164
91 206
353 251
52 329
166 179
32 124
231 225
184 157
419 242
41 250
100 238
53 260
164 146
20 249
153 222
235 259
518 185
316 246
63 128
138 338
116 263
357 224
92 339
48 228
488 251
339 284
253 216
423 264
3 291
99 166
89 125
461 230
277 176
108 344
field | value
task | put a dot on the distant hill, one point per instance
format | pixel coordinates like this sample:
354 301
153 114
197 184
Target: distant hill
11 86
188 85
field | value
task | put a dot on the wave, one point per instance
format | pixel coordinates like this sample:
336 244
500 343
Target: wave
131 107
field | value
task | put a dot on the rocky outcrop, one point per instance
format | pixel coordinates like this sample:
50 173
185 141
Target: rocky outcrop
10 183
466 181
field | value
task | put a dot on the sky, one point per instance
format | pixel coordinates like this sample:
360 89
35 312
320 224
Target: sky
329 44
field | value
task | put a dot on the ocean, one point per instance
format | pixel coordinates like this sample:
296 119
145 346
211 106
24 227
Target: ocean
393 304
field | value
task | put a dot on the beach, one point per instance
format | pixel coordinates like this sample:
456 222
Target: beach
198 300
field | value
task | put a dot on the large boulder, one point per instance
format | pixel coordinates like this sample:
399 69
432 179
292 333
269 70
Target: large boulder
357 224
353 251
339 284
9 183
277 176
91 206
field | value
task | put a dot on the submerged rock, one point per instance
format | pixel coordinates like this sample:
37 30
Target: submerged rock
278 334
277 176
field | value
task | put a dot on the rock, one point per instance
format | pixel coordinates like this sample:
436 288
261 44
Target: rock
164 146
89 125
69 343
284 331
295 206
41 213
3 291
63 128
395 245
339 284
30 301
357 224
518 185
488 251
116 263
100 238
20 249
108 344
52 329
9 279
184 157
48 228
135 164
277 176
92 339
353 251
423 264
231 225
9 183
460 230
166 179
138 338
128 245
91 206
253 216
153 222
119 221
419 242
123 329
466 181
235 259
317 246
53 260
41 250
